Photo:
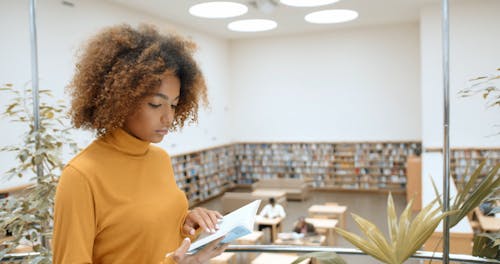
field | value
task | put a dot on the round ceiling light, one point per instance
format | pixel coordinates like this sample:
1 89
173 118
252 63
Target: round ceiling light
252 25
331 16
307 3
218 9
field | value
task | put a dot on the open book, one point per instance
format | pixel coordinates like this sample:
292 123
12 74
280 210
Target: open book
233 225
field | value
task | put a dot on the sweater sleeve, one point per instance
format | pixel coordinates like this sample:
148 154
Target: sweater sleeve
74 219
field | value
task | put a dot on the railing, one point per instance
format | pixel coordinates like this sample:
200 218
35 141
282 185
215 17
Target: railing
422 255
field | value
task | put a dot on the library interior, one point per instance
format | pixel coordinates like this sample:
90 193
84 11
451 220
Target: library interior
343 117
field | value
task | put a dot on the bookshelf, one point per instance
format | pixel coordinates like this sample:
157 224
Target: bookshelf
463 159
361 166
357 166
205 174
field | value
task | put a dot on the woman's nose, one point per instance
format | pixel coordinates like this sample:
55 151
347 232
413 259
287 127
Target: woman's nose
167 117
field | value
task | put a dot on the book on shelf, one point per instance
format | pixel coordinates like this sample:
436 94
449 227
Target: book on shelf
236 224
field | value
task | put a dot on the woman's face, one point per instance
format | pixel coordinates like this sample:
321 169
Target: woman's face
155 113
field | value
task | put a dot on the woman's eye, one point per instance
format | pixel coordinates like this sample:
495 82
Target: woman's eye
154 105
173 106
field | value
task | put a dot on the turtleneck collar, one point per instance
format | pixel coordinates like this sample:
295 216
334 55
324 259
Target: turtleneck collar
126 143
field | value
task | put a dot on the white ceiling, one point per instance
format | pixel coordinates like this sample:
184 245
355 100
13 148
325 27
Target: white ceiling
290 19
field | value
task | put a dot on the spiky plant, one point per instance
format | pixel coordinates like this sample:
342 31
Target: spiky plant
471 194
406 236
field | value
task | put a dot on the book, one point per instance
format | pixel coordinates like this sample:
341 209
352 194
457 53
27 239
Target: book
236 224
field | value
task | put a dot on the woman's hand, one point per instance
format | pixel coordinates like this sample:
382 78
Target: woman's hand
203 256
202 218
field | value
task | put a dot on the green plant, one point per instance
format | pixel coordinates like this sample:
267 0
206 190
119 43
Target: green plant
487 245
406 236
28 217
486 86
473 192
470 195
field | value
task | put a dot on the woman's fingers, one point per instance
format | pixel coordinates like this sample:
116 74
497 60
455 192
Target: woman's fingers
188 229
214 218
180 252
219 215
215 248
206 219
203 220
214 245
219 250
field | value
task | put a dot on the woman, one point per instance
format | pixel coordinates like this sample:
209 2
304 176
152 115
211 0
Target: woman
117 201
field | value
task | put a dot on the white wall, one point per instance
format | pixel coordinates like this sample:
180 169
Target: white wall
355 85
62 29
374 83
474 51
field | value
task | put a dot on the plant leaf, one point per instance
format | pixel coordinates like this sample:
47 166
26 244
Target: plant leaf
392 218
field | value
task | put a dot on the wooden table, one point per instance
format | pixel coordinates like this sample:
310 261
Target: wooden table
277 258
317 240
265 195
328 224
269 193
274 223
224 258
487 223
333 211
253 238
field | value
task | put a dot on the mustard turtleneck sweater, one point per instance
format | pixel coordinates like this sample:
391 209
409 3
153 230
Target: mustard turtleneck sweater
117 202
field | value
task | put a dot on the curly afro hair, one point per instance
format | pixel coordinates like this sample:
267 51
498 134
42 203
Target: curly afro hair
121 65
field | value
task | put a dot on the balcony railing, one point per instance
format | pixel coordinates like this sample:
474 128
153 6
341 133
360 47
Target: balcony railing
420 255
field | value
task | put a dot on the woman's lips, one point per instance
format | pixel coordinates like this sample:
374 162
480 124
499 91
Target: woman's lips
162 131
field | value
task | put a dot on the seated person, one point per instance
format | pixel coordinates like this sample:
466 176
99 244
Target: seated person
303 227
272 210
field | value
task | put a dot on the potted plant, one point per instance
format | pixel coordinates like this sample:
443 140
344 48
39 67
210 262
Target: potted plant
407 234
29 217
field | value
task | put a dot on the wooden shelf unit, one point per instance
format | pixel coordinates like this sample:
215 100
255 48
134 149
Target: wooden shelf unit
354 166
369 166
462 159
205 174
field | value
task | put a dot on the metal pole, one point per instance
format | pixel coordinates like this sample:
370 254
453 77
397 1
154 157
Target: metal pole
34 79
34 64
36 103
446 124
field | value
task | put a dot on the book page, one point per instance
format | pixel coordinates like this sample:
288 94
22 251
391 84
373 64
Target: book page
233 225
